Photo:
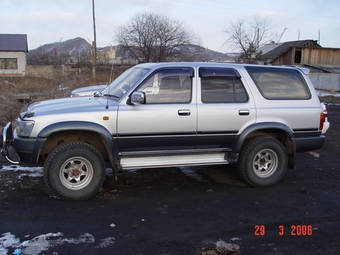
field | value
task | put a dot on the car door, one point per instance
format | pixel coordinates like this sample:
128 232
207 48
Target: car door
224 108
166 123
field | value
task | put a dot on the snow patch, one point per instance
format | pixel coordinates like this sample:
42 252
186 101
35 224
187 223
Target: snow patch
15 168
42 243
192 173
324 93
8 240
109 241
27 171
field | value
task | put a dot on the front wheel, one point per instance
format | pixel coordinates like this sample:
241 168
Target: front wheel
263 161
74 171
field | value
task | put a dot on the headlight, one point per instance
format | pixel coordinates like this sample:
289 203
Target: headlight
23 127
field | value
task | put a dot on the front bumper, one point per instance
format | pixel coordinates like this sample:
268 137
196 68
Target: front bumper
7 142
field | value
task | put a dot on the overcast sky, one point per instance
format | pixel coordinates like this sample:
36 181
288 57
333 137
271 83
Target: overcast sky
47 21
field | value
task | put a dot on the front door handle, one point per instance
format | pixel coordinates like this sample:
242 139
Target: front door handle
184 112
243 112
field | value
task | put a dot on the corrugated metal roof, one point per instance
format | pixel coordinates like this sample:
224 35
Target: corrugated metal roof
13 42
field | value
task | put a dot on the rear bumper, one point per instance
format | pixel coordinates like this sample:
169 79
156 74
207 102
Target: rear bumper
309 143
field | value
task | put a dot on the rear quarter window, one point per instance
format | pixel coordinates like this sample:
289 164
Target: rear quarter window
276 83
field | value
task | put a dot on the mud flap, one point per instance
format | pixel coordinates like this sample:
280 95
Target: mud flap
291 161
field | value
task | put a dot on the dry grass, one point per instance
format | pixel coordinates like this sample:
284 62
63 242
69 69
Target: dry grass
38 88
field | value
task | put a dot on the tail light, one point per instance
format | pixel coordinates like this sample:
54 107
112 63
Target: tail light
323 118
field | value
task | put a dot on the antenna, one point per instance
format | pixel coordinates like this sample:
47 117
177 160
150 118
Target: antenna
107 101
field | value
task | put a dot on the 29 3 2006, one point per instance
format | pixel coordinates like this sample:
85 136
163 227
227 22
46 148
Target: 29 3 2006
292 230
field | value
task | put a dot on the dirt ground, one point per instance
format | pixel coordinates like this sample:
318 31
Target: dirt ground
181 211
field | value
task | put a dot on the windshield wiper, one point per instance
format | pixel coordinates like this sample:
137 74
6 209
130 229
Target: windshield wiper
109 95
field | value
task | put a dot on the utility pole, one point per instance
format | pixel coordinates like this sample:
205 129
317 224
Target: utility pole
94 44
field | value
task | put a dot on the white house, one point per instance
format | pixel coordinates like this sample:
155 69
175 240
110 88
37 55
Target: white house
13 49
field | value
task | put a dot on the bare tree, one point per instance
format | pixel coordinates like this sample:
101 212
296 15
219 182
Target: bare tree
153 38
249 37
37 57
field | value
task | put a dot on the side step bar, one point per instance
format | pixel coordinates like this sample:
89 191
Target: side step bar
173 160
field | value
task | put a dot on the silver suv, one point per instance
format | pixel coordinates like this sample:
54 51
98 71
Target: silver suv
173 114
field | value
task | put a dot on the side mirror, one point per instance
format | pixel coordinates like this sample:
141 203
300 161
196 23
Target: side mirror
138 97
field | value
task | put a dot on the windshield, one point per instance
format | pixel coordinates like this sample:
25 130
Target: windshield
124 82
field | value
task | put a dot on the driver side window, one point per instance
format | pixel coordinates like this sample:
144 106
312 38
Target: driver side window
168 86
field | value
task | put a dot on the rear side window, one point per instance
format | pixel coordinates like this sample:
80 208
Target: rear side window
220 85
276 83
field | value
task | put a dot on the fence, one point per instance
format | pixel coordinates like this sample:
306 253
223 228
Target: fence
46 71
326 81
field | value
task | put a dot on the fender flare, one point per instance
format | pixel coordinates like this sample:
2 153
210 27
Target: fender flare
263 126
110 145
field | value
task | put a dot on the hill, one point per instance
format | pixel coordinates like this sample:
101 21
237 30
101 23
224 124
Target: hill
73 47
79 47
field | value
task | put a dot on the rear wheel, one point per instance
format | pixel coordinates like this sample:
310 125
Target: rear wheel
263 161
74 171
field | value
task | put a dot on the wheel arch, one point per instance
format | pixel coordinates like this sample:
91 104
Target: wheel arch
273 129
89 132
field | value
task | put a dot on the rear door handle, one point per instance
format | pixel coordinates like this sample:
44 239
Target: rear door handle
243 112
184 112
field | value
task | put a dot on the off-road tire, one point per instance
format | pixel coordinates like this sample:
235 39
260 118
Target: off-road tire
74 171
262 162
